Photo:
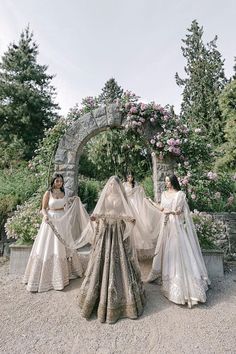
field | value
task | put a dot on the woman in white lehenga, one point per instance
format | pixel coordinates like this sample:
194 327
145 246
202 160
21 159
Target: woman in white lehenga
147 218
178 260
51 264
112 284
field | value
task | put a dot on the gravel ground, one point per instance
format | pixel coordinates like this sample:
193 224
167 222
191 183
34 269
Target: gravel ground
51 323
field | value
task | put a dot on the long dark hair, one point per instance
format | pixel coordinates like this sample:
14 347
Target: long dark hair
54 177
130 174
174 182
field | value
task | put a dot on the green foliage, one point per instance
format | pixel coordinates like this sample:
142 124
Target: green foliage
24 223
203 84
209 191
110 92
16 186
227 152
147 184
11 153
115 152
212 233
89 190
26 94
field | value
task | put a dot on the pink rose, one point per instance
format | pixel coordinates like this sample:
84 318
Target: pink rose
143 106
152 141
133 110
193 196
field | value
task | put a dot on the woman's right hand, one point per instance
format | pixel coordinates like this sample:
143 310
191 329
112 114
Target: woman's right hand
45 218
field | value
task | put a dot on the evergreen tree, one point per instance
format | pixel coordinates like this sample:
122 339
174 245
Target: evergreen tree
27 105
110 92
227 101
203 84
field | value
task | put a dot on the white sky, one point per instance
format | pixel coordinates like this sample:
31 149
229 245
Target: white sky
86 42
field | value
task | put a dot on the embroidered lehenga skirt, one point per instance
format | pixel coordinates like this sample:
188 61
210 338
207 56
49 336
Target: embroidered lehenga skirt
112 285
50 266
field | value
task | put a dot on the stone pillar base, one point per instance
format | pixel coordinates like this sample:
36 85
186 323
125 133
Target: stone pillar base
214 261
19 256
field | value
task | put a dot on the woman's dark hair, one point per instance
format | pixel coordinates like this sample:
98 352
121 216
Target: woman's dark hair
54 177
130 174
174 182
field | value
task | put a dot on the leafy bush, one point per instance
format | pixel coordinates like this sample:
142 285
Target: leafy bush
211 233
23 225
89 190
147 184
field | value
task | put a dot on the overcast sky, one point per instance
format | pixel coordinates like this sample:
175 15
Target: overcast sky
86 42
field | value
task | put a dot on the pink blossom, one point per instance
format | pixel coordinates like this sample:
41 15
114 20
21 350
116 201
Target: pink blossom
133 110
139 124
171 142
193 196
143 106
176 150
152 141
152 120
185 181
159 144
186 163
153 154
127 105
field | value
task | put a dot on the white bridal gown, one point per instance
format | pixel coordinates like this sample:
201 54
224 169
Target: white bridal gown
178 259
50 264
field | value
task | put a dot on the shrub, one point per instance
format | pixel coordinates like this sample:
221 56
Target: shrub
211 233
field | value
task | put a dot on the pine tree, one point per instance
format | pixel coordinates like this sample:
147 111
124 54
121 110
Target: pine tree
227 101
203 84
27 105
110 92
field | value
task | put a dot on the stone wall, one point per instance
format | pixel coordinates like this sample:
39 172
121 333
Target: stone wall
230 220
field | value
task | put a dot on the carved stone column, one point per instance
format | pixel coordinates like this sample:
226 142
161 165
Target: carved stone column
161 169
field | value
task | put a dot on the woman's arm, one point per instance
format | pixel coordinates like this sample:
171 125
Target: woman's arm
156 205
45 205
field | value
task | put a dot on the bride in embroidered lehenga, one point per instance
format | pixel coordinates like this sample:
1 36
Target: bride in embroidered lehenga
51 264
112 283
178 260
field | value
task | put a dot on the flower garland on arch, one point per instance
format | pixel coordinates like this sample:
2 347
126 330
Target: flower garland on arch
167 135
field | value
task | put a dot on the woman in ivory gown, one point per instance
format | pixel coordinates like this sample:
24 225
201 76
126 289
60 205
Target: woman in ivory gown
178 260
51 264
112 284
147 218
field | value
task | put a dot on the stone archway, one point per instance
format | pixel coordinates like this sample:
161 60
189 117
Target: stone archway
90 124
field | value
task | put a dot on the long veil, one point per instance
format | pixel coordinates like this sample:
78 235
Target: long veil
192 234
113 204
72 228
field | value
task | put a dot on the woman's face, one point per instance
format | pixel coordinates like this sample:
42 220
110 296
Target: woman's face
167 182
130 178
58 183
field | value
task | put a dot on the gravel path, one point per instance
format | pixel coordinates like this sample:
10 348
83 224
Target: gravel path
50 322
